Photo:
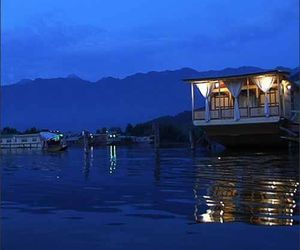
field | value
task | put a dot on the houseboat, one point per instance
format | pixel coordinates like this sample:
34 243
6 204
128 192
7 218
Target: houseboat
260 108
47 141
21 141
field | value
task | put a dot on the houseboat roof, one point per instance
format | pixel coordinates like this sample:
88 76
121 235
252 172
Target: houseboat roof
215 78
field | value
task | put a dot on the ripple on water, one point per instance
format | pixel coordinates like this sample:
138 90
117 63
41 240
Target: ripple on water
256 188
256 191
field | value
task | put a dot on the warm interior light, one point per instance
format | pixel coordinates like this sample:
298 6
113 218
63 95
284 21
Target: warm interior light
217 85
264 82
288 86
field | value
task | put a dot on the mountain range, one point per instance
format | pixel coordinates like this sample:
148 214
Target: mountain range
71 103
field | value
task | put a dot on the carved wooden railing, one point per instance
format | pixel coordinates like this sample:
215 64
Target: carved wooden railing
227 113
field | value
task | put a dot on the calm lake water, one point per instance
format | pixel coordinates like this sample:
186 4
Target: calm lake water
125 198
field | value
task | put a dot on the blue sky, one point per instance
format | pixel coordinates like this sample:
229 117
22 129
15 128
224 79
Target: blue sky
94 39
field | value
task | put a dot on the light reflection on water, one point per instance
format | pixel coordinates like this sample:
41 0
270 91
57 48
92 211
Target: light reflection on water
112 158
247 191
122 186
237 189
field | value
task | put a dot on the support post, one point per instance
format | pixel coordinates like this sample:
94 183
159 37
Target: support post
220 106
283 95
279 95
248 100
257 93
193 100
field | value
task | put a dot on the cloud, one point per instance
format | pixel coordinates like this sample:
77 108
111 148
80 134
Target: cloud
39 47
216 34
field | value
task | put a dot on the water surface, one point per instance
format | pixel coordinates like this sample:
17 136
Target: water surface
127 198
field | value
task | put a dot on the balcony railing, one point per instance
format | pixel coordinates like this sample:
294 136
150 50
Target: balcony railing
227 113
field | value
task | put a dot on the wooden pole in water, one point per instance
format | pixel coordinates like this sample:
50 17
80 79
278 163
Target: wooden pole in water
155 128
192 139
85 141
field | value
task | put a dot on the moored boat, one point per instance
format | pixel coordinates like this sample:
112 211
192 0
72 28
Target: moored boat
14 141
53 142
48 141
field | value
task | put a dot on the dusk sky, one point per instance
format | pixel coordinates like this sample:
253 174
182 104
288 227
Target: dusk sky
94 39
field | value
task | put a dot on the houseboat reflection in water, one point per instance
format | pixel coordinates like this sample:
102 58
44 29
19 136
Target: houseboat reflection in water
259 197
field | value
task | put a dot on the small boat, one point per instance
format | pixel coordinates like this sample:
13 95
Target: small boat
53 142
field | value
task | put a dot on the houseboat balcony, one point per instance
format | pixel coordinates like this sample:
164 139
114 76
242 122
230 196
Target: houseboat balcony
245 110
228 113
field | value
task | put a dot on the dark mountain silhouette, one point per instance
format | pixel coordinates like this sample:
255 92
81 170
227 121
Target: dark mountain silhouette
73 76
182 121
295 74
72 103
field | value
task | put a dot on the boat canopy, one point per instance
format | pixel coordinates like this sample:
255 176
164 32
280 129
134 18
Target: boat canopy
49 136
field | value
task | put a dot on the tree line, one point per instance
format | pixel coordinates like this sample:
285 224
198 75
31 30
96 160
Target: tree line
168 132
14 131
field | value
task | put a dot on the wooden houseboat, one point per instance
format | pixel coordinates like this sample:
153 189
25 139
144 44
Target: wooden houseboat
21 141
258 109
47 141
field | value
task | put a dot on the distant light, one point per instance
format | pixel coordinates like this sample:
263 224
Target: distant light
217 85
289 86
219 158
114 135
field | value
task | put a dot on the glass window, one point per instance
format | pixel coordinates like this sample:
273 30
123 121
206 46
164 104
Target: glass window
273 97
221 101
